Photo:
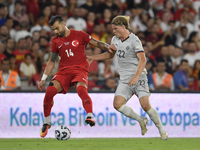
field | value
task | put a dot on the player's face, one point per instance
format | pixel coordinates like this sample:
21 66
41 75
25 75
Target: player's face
59 28
117 30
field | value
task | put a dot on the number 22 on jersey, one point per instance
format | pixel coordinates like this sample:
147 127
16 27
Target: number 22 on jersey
69 52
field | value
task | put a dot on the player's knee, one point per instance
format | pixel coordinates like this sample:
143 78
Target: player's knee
117 105
146 107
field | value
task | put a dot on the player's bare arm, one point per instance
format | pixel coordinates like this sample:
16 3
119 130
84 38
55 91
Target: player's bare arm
103 46
140 68
48 69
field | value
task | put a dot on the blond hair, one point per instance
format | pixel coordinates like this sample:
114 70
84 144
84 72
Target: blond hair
121 20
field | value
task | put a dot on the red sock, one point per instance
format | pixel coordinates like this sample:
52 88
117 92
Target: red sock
48 100
86 100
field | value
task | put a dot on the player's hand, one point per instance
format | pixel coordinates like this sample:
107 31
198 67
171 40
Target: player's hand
41 85
112 48
133 81
89 59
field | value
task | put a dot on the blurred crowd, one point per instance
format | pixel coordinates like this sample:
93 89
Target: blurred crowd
168 30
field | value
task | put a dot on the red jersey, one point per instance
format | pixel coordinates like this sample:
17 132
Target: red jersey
20 56
71 49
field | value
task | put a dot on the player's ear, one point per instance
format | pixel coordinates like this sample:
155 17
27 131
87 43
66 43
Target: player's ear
64 23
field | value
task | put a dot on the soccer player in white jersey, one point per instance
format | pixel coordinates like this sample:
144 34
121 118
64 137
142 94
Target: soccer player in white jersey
133 80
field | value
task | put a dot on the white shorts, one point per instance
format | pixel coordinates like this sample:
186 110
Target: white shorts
140 89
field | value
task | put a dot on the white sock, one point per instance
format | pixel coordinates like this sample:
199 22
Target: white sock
156 119
127 111
90 115
47 120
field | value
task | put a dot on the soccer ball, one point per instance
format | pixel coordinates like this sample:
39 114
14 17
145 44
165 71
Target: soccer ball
62 132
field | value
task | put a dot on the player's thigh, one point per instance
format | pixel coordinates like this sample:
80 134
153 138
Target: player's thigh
124 90
57 85
80 77
142 88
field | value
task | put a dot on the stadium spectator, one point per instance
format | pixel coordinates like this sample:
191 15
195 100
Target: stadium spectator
21 51
184 47
41 24
184 22
106 18
106 69
180 77
36 36
167 7
90 22
47 14
108 4
4 34
23 32
182 36
2 17
191 56
9 80
71 5
32 9
13 65
15 28
107 33
196 74
163 81
27 69
176 57
37 60
165 57
109 85
89 6
10 46
76 21
170 35
149 24
155 39
2 49
194 37
19 13
165 21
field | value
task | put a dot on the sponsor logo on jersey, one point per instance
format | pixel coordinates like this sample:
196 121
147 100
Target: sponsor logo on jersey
66 43
60 46
75 43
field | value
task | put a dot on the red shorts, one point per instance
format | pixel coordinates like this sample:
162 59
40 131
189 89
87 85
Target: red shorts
69 77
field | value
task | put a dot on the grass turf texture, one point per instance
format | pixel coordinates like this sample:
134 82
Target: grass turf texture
101 144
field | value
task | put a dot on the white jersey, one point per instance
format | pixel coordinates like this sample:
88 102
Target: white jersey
127 56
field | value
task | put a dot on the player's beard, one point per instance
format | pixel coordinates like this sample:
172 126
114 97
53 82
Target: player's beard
62 33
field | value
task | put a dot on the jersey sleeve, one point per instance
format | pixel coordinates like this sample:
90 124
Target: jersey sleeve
54 47
86 37
138 45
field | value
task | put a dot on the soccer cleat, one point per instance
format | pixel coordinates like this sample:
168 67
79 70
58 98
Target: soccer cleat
89 120
143 125
44 129
164 136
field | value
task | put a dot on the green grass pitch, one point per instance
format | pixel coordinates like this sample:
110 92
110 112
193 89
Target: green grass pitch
101 144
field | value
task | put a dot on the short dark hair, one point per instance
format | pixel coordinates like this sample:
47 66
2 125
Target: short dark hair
6 59
54 19
2 5
183 60
28 55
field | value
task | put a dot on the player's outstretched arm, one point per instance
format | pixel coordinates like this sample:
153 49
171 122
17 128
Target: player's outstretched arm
48 69
104 46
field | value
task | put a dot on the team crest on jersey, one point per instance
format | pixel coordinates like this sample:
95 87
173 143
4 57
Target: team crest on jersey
127 48
75 43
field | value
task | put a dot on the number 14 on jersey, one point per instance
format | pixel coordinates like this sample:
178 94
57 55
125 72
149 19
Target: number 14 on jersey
69 52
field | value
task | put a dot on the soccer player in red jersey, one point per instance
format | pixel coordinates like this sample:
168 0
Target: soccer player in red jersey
73 68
